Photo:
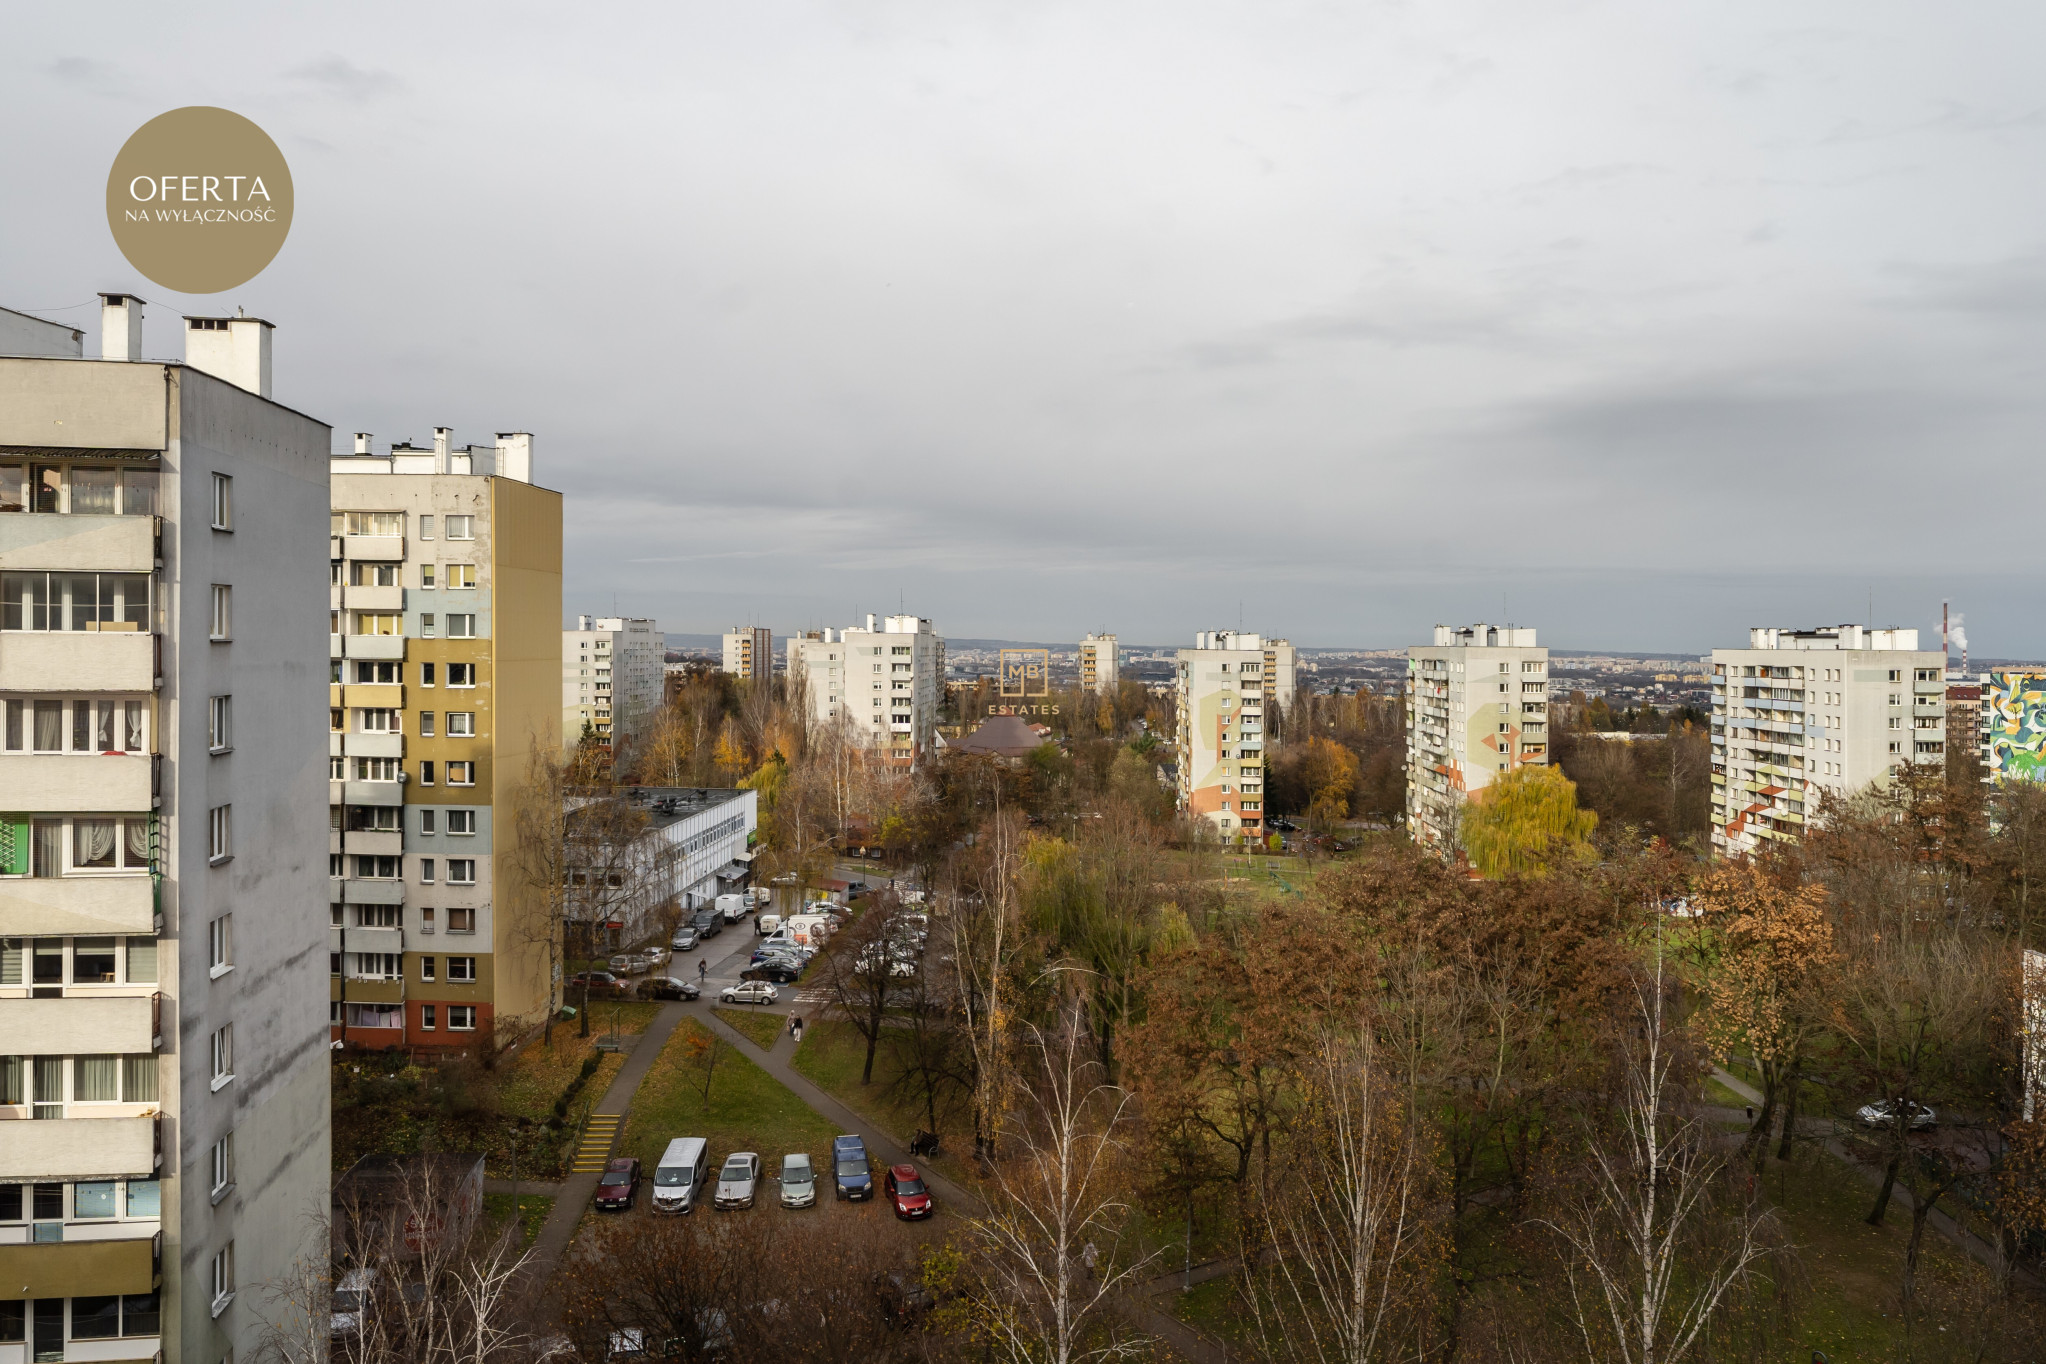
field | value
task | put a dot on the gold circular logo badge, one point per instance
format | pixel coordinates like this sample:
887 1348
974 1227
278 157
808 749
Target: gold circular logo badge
199 200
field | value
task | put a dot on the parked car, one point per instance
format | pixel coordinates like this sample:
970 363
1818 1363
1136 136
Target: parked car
678 1178
894 963
776 972
748 992
656 956
734 907
798 1181
787 954
667 987
1883 1113
619 1187
738 1181
630 963
601 983
904 1299
351 1302
685 939
707 923
851 1178
908 1194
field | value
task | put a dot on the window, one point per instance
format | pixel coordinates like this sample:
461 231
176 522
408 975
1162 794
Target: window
426 870
223 502
461 674
461 821
333 963
336 718
426 822
425 527
376 575
223 1163
376 672
377 916
461 626
219 833
426 674
376 769
375 523
461 724
462 871
378 965
426 630
376 720
40 601
461 921
223 1054
376 867
426 968
426 575
426 772
462 1017
220 945
426 724
462 970
223 612
223 1278
461 575
379 623
426 1015
461 774
461 527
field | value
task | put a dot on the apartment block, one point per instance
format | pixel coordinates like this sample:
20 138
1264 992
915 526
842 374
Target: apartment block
1477 708
749 651
1222 688
445 658
2011 728
1798 712
161 794
1098 664
880 684
611 677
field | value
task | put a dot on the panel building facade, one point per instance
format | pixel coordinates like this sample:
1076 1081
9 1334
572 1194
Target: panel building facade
880 684
749 651
445 651
1221 688
1477 708
1099 665
162 787
611 677
1799 712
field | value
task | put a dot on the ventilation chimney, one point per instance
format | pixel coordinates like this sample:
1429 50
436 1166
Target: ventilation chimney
362 442
236 349
515 455
120 327
441 437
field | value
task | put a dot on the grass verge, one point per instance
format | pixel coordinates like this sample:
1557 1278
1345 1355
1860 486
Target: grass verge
533 1210
832 1057
747 1110
756 1027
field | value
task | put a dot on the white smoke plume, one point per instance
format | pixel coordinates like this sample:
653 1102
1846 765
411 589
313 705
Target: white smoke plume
1957 633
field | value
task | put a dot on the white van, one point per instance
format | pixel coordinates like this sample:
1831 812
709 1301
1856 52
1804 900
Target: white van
766 924
678 1179
734 907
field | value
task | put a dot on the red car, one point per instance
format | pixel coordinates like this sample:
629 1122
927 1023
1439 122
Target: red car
908 1194
619 1185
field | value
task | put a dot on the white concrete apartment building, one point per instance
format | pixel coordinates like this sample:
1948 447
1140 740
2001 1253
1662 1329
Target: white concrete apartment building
1099 664
611 677
1798 712
1223 686
162 794
881 682
749 651
1477 708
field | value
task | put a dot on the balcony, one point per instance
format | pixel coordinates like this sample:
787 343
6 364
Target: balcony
87 783
372 893
108 544
77 660
382 548
80 1024
373 646
371 793
72 1269
79 1148
82 905
371 696
373 598
374 940
374 745
334 645
388 842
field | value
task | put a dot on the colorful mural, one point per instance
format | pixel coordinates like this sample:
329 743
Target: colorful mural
2014 704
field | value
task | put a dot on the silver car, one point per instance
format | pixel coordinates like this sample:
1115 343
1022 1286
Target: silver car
1883 1113
738 1181
798 1181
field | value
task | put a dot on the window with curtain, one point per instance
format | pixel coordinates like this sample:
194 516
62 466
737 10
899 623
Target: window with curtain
96 1079
103 727
141 961
15 737
49 726
138 1080
46 847
81 726
92 842
47 1074
13 1079
132 733
10 961
93 491
136 854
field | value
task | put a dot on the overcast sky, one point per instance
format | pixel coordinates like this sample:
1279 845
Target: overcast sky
1640 323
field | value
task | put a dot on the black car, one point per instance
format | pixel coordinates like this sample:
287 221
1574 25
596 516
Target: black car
667 987
779 972
619 1185
600 983
707 923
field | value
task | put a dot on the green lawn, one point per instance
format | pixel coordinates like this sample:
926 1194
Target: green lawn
749 1110
832 1056
534 1078
761 1029
533 1210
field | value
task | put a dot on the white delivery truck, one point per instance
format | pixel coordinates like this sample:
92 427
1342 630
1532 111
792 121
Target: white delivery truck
810 930
734 907
766 924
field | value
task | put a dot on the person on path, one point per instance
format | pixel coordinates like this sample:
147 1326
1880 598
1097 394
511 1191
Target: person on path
1088 1257
702 969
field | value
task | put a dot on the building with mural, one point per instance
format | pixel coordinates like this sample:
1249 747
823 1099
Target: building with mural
2013 729
1477 708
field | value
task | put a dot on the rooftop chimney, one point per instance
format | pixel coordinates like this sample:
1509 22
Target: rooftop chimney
441 436
120 327
515 455
236 349
362 442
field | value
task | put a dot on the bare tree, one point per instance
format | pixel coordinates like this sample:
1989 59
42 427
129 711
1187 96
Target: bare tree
859 973
1652 1247
1357 1246
1051 1251
987 939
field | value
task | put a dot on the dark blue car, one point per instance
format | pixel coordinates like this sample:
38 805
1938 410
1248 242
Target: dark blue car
851 1176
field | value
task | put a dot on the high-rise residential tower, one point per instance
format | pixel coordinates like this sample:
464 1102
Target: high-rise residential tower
446 659
749 651
1477 708
611 671
1223 686
881 683
162 787
1800 711
1098 664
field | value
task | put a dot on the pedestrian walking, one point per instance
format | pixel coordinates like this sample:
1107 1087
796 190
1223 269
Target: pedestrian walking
799 1032
1088 1258
702 969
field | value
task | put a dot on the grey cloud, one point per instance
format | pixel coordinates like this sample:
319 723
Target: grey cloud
344 80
